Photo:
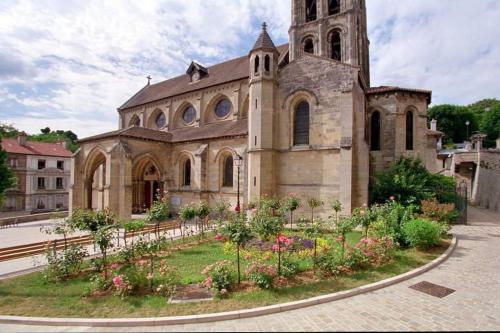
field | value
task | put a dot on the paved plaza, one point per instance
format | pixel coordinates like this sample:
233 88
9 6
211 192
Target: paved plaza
473 271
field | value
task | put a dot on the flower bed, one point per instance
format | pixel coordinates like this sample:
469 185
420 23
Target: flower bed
247 263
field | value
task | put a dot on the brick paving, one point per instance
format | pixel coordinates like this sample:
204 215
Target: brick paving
473 271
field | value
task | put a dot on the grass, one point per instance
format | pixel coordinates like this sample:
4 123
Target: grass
31 295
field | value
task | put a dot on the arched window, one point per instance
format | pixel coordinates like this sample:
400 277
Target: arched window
135 121
223 108
333 7
336 46
189 115
227 176
301 124
311 10
161 120
409 130
267 63
257 64
375 132
186 181
309 46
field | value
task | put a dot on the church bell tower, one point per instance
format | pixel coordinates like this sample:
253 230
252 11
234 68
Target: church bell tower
334 29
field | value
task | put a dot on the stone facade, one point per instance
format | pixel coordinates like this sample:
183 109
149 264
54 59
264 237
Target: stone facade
200 122
43 173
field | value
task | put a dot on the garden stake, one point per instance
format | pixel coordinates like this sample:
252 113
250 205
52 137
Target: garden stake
238 259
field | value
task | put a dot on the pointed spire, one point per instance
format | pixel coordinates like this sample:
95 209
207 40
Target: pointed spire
264 41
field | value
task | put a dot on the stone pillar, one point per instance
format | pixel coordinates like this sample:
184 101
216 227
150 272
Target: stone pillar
346 134
76 186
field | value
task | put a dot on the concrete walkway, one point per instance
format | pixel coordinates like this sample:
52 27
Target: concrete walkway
473 271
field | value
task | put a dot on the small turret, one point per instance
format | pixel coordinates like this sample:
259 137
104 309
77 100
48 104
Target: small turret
264 57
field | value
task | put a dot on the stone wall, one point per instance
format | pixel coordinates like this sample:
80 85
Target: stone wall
487 194
393 108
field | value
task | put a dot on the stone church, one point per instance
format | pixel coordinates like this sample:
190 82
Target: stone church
300 117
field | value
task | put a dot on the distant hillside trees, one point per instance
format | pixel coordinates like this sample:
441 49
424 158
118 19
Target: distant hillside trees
483 116
45 135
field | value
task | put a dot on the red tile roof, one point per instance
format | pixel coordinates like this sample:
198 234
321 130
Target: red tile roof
35 148
232 70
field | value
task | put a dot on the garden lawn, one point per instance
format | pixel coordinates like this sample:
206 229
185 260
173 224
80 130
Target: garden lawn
30 295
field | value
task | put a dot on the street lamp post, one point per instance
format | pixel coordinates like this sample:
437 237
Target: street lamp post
238 162
467 123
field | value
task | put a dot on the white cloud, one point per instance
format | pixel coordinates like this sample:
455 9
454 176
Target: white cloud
86 58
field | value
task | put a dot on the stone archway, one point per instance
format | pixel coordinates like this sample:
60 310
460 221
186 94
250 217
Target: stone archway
95 182
146 184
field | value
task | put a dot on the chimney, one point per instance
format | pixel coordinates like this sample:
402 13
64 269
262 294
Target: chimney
64 143
434 124
21 139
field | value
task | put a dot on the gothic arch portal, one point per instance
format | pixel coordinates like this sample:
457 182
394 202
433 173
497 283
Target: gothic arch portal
146 182
96 179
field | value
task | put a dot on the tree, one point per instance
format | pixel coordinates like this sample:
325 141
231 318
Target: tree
291 204
452 121
8 131
490 125
238 233
45 130
7 176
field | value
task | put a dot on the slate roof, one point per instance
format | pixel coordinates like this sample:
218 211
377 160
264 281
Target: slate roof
133 132
392 89
35 148
209 131
232 70
264 41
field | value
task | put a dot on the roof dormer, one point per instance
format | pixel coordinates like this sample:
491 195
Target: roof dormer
196 71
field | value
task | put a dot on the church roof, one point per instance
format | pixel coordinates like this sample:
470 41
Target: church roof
392 89
205 132
264 41
134 133
232 70
35 148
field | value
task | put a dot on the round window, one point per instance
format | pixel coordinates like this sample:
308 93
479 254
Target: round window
223 108
189 115
161 120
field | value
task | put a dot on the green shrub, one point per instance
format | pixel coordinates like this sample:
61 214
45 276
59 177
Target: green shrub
220 276
389 220
289 267
409 182
262 275
422 233
62 265
265 225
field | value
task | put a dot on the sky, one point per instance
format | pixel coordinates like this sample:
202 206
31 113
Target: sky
69 64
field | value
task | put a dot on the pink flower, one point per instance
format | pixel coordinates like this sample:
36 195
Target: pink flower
223 291
275 247
208 282
114 266
219 237
392 198
118 281
281 238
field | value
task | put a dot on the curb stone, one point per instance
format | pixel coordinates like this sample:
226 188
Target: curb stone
248 313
